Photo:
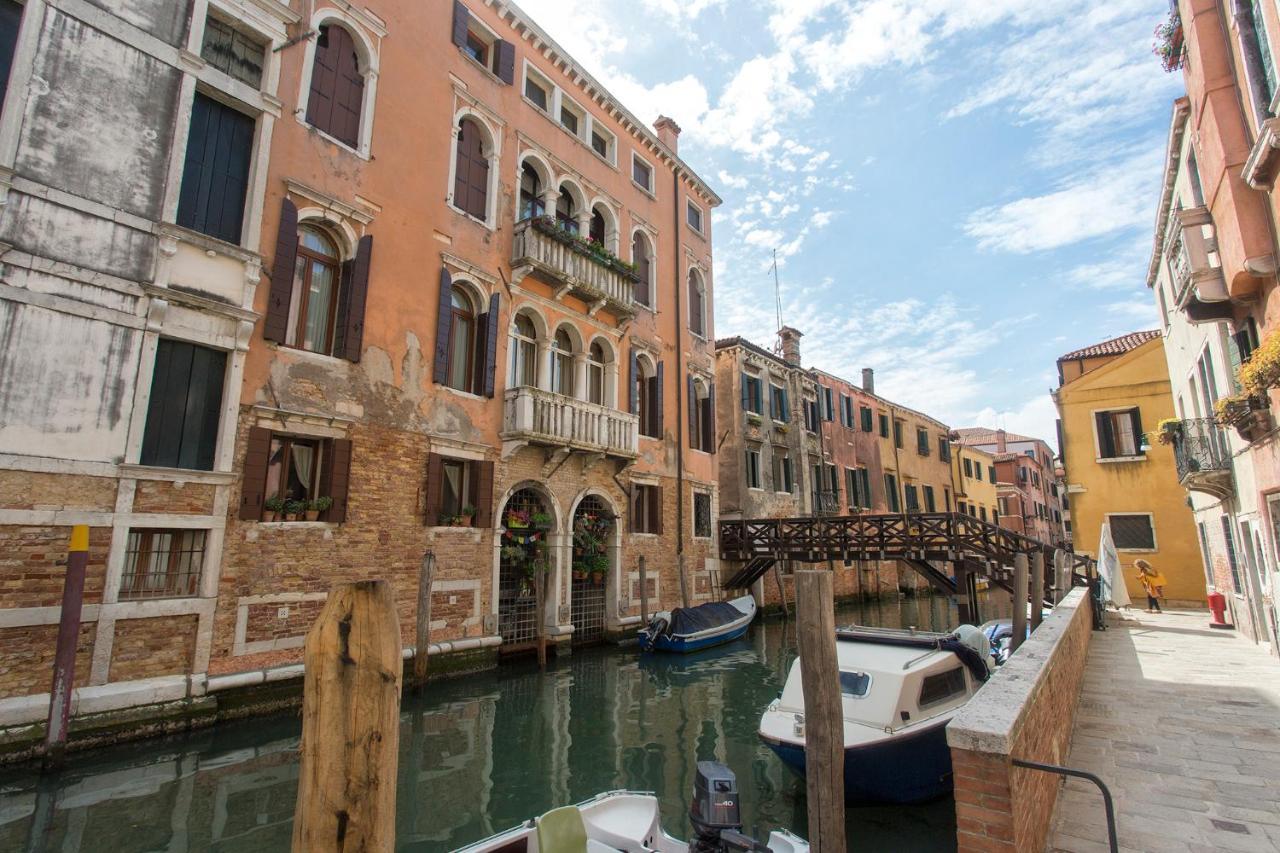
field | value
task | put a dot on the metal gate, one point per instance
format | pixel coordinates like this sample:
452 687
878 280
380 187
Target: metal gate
592 537
523 555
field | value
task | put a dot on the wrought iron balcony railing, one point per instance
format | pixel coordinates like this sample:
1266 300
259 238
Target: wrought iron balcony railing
1203 456
826 502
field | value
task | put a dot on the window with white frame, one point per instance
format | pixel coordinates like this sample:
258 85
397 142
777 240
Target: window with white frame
572 117
339 82
753 467
693 215
1132 531
473 151
234 52
538 89
697 304
642 260
1119 433
642 172
524 352
603 142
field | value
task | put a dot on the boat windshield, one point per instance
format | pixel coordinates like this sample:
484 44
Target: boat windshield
942 687
854 683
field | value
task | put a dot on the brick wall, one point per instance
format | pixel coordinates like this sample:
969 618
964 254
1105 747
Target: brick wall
264 622
149 648
26 666
163 496
29 572
31 490
1025 711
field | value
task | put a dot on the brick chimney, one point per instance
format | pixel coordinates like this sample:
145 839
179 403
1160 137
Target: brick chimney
1002 441
790 341
868 380
668 133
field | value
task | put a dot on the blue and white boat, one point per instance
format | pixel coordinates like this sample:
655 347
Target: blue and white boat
688 629
899 689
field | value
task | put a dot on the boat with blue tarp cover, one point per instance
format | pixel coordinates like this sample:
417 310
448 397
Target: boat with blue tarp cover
899 689
688 629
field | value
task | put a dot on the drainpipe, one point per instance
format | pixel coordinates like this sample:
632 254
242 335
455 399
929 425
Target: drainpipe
680 388
897 468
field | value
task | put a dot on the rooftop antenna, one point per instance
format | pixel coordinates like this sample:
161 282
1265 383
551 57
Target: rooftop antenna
777 298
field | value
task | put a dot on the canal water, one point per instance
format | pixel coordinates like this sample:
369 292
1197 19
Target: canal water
479 754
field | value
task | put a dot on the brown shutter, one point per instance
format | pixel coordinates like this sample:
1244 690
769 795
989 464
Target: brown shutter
443 324
632 383
491 347
484 494
355 297
709 421
655 508
253 482
461 20
343 308
337 87
324 80
335 477
432 515
632 494
276 327
471 171
694 438
506 61
657 402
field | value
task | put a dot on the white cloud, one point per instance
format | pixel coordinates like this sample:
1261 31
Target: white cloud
1037 417
737 182
1139 310
1107 275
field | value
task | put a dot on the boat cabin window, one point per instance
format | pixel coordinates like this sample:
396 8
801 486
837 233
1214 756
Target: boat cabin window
854 683
942 687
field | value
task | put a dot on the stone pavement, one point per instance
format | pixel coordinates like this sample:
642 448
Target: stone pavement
1183 724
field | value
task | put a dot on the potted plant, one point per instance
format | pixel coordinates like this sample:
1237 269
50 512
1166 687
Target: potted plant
580 570
464 516
599 567
782 428
517 519
1168 42
294 508
540 521
315 506
1168 430
273 506
754 419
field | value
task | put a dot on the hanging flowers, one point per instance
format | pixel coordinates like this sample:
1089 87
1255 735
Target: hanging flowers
1168 44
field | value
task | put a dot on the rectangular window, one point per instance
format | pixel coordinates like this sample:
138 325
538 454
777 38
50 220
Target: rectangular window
778 404
753 468
476 48
646 509
922 442
913 501
867 418
891 492
536 92
752 389
811 415
232 52
702 515
293 468
846 409
602 141
991 473
287 477
930 505
828 406
943 687
968 468
693 214
944 448
215 173
184 410
782 478
457 482
1233 558
641 173
569 120
162 564
982 513
851 487
1132 532
898 427
884 426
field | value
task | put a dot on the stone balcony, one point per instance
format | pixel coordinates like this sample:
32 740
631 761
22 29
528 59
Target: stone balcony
1191 248
1203 457
544 418
542 247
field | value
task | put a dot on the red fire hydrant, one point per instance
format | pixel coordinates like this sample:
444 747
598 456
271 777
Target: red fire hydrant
1218 607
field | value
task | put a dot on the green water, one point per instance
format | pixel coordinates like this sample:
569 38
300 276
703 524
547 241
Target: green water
477 755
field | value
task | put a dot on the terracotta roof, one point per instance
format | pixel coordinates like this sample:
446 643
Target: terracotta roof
1115 346
983 435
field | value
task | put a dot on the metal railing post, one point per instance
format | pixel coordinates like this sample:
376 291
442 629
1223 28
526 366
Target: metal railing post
1107 803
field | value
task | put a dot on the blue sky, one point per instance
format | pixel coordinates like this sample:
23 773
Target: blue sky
959 190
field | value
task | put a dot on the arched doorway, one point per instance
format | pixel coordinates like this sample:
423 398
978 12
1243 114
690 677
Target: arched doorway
525 553
593 525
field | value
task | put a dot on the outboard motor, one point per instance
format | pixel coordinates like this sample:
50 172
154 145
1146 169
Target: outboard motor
657 627
714 812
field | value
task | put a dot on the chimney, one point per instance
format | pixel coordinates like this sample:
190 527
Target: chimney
868 380
668 133
1002 441
790 345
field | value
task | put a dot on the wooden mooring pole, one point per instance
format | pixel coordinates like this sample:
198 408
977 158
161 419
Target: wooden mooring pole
1020 570
644 593
823 714
350 724
422 639
64 655
1037 589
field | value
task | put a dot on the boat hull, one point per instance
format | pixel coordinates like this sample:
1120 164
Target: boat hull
911 768
684 645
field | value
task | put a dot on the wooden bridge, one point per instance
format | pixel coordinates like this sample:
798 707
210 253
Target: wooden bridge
974 548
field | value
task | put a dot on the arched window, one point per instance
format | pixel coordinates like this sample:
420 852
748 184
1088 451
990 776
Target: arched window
524 352
643 261
471 171
312 309
596 232
702 403
531 203
462 338
697 305
337 86
595 373
647 396
562 363
567 211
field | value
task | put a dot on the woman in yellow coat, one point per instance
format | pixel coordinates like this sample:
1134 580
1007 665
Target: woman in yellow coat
1153 582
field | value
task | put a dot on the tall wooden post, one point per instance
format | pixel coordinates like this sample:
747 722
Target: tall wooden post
782 589
540 610
422 640
1061 577
1037 589
1020 570
350 724
644 593
962 595
823 713
64 656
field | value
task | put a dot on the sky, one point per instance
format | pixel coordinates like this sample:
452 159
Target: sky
958 191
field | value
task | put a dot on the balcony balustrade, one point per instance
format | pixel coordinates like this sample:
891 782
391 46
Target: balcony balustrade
1203 457
535 416
1199 286
573 267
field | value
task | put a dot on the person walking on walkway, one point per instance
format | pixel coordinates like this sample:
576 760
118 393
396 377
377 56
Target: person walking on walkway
1153 582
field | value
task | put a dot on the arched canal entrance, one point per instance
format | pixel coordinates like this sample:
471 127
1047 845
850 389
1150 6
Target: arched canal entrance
593 557
524 555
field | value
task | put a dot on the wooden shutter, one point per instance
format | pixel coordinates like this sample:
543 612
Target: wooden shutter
215 174
746 393
786 407
1136 414
337 87
444 324
694 437
491 346
655 509
656 398
695 307
461 20
506 61
632 492
276 327
1106 440
350 343
484 492
709 421
633 383
471 171
335 477
253 481
185 407
431 516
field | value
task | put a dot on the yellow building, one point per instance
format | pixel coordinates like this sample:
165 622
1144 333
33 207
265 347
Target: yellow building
973 477
1107 395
